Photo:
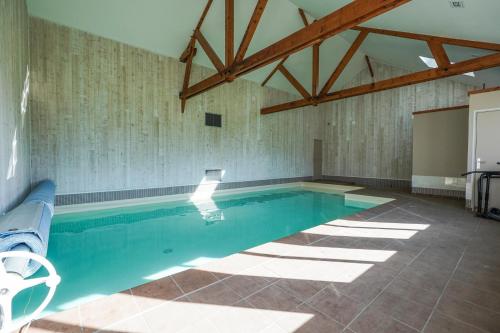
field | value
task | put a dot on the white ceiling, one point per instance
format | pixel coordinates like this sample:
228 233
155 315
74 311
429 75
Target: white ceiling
164 27
478 20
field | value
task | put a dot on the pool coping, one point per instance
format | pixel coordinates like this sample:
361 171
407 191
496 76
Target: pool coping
212 193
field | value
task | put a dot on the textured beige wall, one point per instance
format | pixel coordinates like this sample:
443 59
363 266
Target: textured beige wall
440 143
107 116
371 135
14 115
486 100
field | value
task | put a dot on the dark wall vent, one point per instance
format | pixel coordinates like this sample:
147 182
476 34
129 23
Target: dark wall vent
213 119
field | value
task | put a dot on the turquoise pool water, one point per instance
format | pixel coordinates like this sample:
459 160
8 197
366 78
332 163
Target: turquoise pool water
103 252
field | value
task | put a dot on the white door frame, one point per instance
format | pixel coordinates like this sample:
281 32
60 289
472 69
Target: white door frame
475 113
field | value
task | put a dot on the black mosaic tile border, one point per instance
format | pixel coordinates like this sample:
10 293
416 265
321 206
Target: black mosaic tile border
81 198
372 182
439 192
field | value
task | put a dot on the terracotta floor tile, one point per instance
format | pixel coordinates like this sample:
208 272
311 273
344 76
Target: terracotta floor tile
367 286
156 292
426 277
472 262
410 313
242 317
372 244
467 292
233 264
361 291
339 307
273 328
301 238
193 279
135 324
62 322
302 289
176 315
245 285
440 323
397 261
405 289
470 313
218 293
332 241
374 321
439 258
274 298
484 279
305 319
107 311
203 325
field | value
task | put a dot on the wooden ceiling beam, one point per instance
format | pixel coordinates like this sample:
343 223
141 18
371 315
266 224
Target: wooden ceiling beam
303 17
315 69
275 69
326 27
296 84
204 85
229 28
343 63
336 22
458 68
187 51
251 27
370 68
427 38
187 75
439 53
214 58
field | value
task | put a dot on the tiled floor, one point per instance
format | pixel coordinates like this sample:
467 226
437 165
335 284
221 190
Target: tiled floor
417 264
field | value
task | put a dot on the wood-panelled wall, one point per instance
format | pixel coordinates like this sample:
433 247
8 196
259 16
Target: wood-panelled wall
14 114
106 116
370 136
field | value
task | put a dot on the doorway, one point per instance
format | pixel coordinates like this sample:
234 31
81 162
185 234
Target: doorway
486 148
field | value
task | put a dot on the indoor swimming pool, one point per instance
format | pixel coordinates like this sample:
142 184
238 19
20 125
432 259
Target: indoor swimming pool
102 252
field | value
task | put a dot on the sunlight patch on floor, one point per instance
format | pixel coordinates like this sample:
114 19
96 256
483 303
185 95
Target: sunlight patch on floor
380 225
319 252
331 230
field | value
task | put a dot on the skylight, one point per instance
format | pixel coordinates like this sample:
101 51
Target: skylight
431 63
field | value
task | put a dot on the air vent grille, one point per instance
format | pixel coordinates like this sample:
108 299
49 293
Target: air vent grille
456 4
213 119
